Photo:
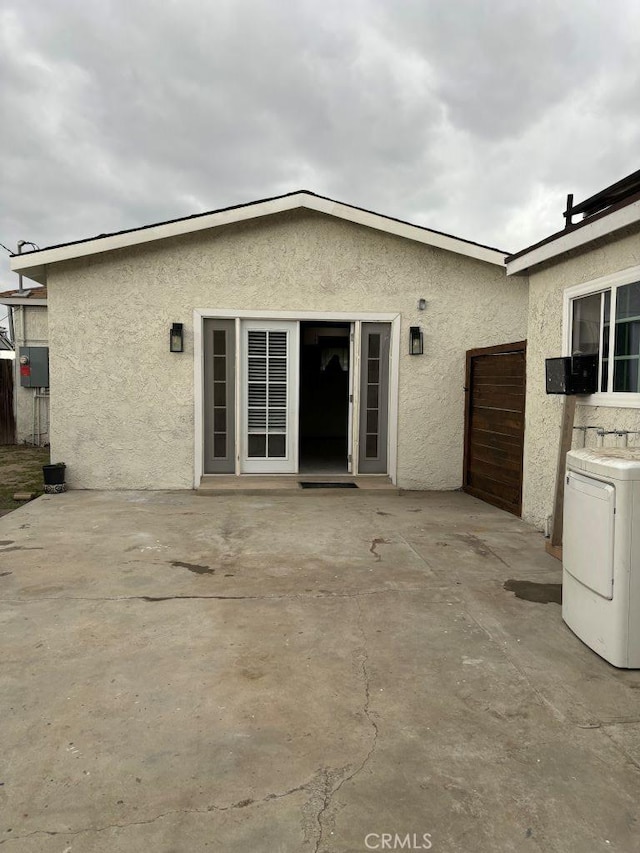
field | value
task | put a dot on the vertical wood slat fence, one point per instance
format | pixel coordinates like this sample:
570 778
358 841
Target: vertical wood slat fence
7 420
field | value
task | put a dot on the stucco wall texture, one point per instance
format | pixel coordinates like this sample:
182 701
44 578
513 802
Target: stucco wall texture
123 405
31 330
543 412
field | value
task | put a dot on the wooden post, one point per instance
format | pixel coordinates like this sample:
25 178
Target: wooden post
566 436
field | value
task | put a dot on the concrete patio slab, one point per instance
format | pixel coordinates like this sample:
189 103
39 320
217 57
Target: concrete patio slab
274 673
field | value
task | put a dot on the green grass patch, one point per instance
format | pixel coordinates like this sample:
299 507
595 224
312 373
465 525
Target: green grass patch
20 471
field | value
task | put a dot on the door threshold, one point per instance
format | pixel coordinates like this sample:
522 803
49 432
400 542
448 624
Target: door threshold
283 484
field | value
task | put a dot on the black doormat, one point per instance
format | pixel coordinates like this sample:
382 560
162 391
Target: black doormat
308 485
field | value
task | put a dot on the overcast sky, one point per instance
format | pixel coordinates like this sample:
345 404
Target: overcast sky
474 117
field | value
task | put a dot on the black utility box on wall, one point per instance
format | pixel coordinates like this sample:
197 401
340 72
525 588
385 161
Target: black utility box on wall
577 374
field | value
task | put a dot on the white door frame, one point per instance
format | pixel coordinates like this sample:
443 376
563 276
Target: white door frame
352 397
356 318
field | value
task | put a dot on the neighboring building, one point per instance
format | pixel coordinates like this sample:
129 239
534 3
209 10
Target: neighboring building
297 314
6 347
580 278
28 309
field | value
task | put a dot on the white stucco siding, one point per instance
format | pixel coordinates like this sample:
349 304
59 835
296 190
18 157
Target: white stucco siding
31 329
543 412
123 406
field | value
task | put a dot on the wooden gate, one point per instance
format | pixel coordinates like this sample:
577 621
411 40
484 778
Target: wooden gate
7 421
494 424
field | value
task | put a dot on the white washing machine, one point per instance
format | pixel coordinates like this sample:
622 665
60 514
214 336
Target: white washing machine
601 552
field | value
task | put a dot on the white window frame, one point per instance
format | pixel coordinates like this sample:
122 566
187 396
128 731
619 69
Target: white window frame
613 399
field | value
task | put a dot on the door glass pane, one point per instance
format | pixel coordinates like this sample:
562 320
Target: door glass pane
257 445
257 395
257 369
277 370
219 393
219 368
219 446
373 370
277 394
219 342
219 420
257 420
277 446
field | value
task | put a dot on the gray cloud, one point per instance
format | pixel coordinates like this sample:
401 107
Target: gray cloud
473 118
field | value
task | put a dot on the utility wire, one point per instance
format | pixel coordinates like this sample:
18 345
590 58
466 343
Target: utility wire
8 250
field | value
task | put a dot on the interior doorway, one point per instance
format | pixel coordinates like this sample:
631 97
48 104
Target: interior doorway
325 381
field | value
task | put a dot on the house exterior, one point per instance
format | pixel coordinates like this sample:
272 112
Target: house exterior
28 311
295 317
580 278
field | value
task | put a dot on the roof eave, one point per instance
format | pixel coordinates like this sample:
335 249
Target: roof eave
25 264
21 300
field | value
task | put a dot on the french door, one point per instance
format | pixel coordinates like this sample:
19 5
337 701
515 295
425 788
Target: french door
251 404
270 366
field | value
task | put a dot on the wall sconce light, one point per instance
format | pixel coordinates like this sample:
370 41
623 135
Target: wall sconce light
415 340
422 304
176 338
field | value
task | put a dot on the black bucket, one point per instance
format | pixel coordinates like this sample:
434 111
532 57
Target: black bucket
54 474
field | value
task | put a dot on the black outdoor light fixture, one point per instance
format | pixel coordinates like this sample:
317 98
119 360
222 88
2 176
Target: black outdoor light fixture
415 340
176 338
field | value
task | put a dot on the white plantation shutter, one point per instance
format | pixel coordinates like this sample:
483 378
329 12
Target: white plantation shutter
267 393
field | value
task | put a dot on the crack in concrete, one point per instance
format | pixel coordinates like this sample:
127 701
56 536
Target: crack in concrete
330 793
241 804
159 598
558 715
633 761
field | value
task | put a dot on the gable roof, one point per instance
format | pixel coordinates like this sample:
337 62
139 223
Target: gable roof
33 264
609 210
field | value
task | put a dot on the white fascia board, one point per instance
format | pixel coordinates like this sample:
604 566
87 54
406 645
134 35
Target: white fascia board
614 221
404 229
25 263
21 263
18 300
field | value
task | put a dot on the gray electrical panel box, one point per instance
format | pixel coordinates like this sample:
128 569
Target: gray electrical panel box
34 367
